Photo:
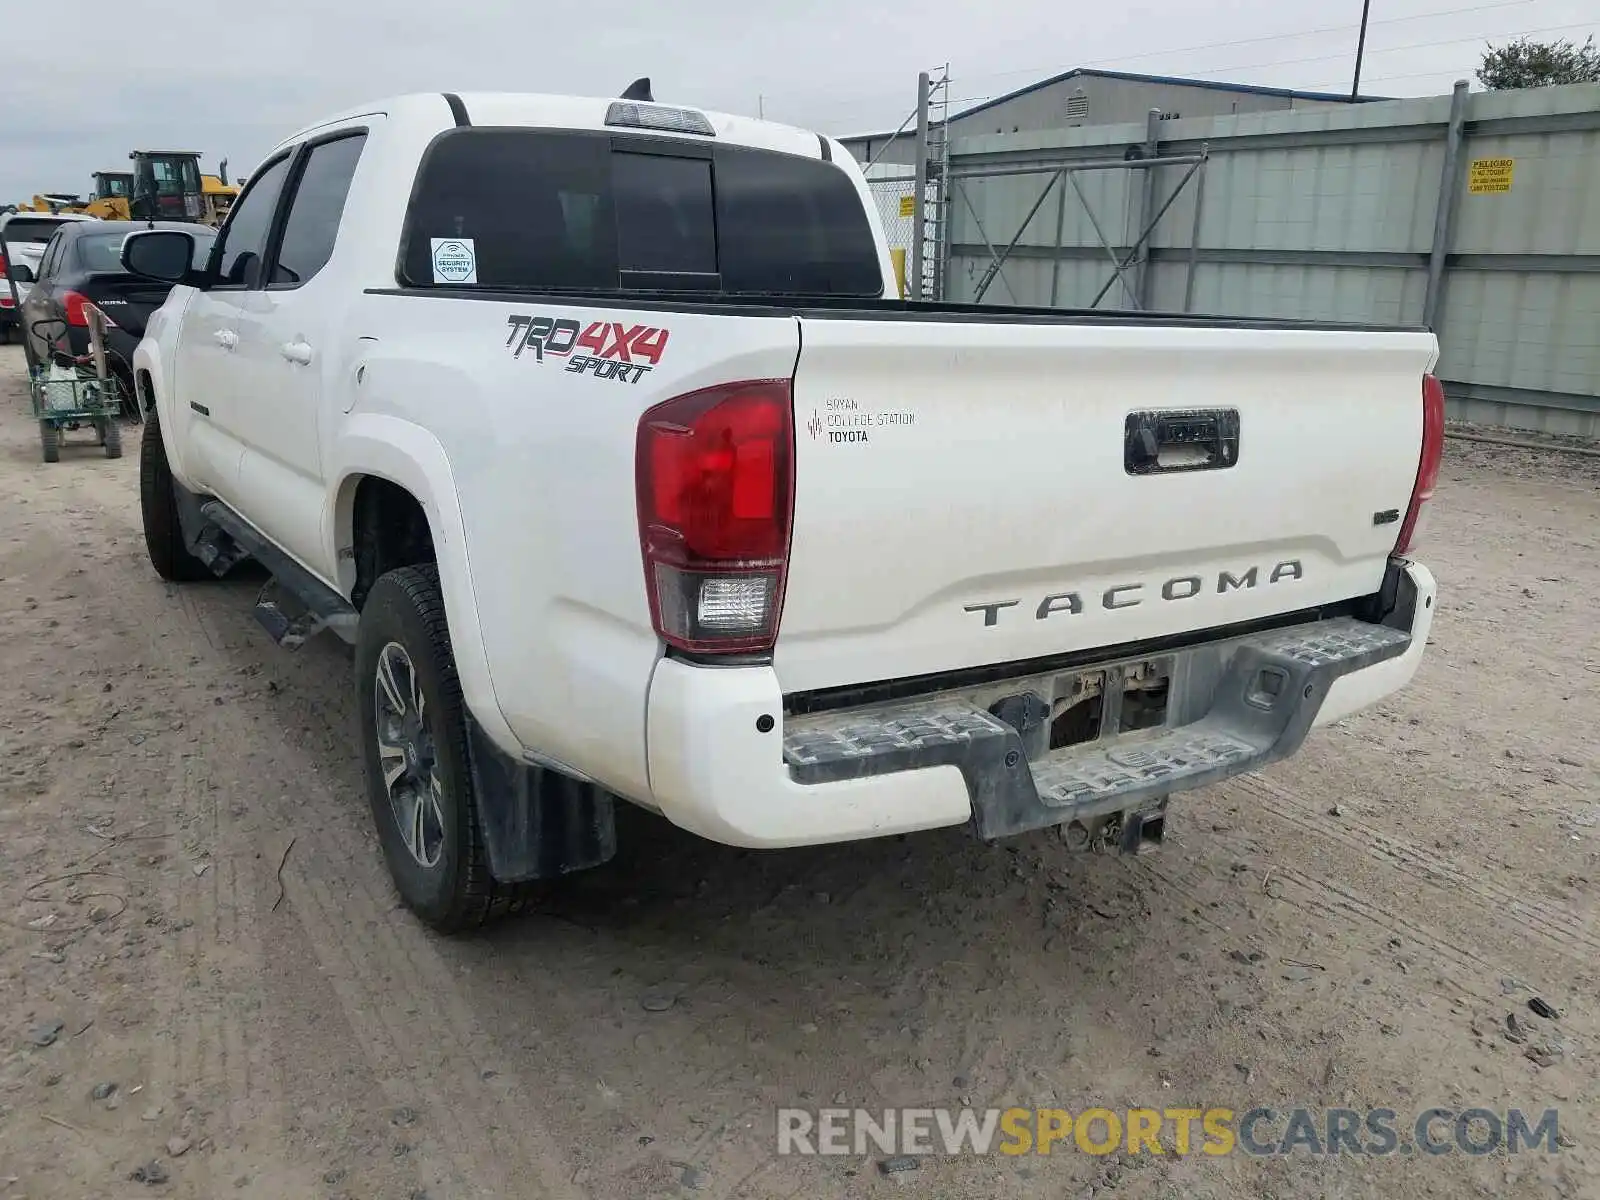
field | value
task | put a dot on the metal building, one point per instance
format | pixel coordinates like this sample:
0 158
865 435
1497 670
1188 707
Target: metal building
1088 97
1475 214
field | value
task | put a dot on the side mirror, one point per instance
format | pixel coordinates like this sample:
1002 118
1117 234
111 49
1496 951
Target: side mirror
163 255
22 274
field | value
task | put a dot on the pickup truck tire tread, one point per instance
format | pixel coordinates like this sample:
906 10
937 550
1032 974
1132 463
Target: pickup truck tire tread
459 892
158 504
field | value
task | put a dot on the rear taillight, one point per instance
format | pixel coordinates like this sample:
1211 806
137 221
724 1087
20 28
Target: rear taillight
5 267
1427 465
714 470
75 303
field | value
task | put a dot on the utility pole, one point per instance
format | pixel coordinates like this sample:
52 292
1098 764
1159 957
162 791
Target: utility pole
1361 46
761 107
919 196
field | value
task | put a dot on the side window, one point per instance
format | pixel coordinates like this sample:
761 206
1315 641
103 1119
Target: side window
52 252
242 246
315 210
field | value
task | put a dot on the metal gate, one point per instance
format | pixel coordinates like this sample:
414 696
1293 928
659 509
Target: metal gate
1129 263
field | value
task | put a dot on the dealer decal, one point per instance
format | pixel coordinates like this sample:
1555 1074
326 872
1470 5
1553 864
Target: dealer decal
604 349
847 421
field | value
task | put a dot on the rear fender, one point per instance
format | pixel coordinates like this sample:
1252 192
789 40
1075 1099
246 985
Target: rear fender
410 457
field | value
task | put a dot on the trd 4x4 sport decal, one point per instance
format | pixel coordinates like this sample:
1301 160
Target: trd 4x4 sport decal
616 351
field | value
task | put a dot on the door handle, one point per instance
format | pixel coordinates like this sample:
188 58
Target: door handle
226 338
297 352
1199 439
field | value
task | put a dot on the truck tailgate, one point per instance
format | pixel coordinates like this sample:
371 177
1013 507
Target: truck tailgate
966 494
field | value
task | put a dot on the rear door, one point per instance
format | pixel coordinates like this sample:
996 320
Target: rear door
288 345
43 322
972 493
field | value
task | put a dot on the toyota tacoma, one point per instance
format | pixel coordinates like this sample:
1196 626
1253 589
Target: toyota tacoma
596 427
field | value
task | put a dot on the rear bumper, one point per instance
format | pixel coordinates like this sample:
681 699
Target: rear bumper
944 760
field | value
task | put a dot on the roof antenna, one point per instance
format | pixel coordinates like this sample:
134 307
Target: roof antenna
639 89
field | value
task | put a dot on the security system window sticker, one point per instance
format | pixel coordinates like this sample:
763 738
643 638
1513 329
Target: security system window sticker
455 260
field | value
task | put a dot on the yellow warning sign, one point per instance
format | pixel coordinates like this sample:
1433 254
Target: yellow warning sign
1489 175
908 206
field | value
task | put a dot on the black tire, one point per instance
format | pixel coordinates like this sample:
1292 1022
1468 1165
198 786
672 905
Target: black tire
158 503
111 437
50 441
448 884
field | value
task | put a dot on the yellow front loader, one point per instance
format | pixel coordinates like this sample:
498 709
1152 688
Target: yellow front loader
111 192
164 185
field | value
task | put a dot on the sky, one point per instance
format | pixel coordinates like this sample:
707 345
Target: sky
231 80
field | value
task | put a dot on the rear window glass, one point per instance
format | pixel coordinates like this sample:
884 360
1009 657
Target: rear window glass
605 212
31 229
663 210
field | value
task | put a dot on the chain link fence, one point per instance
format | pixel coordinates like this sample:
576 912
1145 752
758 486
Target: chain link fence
892 190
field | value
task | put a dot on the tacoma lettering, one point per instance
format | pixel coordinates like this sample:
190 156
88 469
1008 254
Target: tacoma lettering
1131 595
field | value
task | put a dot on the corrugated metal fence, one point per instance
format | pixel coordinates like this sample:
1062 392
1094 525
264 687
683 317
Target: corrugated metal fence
1486 219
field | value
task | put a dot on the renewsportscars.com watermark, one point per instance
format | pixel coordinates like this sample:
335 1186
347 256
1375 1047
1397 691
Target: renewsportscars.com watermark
1262 1132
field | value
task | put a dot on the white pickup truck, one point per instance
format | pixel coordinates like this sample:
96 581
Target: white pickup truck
588 422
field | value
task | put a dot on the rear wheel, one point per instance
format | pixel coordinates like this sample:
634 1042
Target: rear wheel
414 748
50 441
158 503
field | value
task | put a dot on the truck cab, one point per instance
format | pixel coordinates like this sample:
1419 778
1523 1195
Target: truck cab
113 185
166 186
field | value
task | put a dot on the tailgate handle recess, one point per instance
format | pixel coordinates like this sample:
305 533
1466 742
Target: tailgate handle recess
1177 440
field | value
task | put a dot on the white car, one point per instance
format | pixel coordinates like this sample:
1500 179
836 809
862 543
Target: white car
24 235
589 423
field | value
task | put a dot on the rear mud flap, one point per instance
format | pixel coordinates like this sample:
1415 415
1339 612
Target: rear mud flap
537 823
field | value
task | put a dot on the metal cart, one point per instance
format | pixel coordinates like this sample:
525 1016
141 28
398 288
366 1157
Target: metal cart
72 393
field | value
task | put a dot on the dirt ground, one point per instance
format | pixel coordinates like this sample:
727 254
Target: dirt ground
193 906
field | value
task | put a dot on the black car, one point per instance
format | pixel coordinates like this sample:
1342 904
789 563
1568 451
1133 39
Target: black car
82 265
